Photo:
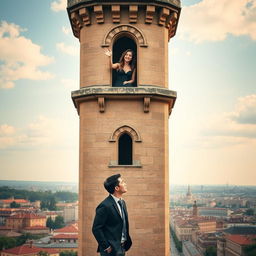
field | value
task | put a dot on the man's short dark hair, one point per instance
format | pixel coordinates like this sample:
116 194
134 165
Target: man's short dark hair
111 182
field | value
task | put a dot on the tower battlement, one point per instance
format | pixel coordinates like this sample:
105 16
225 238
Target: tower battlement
86 12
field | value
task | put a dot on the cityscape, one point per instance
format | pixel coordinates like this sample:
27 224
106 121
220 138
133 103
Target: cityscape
205 220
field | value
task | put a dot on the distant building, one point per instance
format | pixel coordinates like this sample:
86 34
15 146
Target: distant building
70 213
28 250
195 210
206 240
70 229
214 212
5 203
64 238
52 214
233 245
189 249
27 222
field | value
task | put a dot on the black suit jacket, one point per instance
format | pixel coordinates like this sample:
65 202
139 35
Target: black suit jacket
108 224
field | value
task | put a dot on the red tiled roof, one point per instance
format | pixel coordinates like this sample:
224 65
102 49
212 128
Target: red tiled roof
27 249
242 239
66 236
26 216
18 201
67 229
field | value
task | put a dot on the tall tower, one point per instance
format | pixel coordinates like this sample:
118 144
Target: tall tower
121 121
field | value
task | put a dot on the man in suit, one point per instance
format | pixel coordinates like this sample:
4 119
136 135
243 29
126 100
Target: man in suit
111 225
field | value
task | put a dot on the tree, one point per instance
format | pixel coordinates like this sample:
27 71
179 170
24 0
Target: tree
68 253
211 251
50 223
59 222
42 253
7 242
249 212
250 250
14 205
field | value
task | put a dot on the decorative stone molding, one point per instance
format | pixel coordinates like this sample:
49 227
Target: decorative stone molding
85 15
115 13
125 28
114 164
150 10
133 13
146 104
125 129
164 13
172 24
101 102
93 12
99 13
76 23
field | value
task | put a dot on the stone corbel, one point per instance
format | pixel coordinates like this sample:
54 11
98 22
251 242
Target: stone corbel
171 104
171 24
133 13
150 10
115 13
146 104
85 16
75 23
164 13
99 13
101 103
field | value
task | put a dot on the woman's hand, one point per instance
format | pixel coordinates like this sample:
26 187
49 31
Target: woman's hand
125 82
108 53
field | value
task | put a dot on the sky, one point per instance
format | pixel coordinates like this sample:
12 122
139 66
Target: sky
212 66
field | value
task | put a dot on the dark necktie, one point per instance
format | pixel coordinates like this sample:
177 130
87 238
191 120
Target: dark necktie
124 231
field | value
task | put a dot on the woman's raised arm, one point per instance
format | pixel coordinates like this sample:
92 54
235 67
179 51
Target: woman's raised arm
112 65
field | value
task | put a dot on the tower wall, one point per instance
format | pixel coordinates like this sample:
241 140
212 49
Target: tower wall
143 111
148 186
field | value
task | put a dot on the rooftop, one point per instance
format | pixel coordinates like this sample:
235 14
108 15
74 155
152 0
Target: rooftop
242 239
66 236
68 229
26 216
28 249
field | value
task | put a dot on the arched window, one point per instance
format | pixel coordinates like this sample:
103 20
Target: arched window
120 45
125 150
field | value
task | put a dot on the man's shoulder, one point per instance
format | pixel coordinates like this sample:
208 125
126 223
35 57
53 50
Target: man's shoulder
106 202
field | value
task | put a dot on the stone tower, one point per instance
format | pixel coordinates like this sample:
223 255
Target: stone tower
117 120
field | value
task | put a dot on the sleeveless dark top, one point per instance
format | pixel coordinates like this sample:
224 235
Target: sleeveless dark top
121 76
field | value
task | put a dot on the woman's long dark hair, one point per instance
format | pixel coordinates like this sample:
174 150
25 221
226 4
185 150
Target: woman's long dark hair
132 62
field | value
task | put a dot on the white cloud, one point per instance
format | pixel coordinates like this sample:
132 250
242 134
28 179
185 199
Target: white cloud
42 131
209 20
67 49
66 30
59 5
237 127
70 83
20 57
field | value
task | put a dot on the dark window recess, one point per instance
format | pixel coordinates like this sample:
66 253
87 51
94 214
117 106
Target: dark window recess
121 45
125 150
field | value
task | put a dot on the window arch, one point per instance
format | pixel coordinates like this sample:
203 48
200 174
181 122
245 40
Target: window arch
125 138
125 150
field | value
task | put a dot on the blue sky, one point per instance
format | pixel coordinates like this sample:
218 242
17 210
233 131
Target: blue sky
212 65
